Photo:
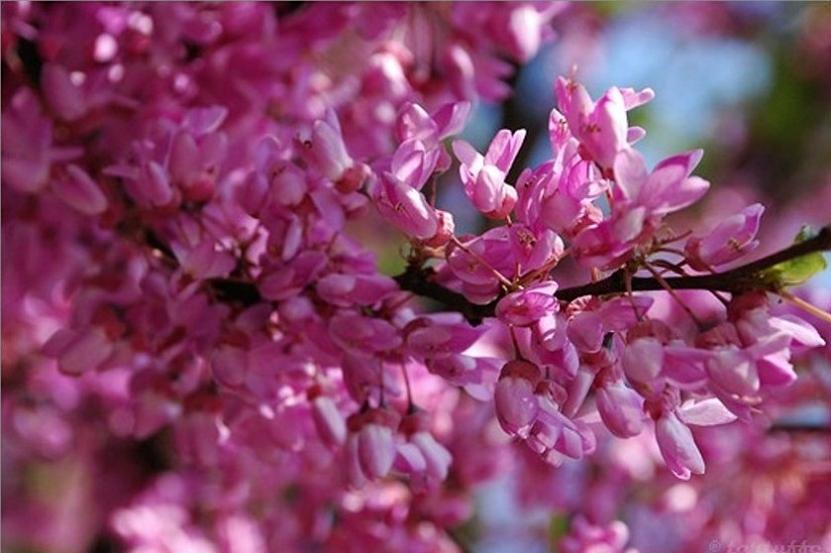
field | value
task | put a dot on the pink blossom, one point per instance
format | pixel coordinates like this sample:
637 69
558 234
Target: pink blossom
79 191
515 402
621 409
669 187
79 351
586 331
326 148
345 290
525 307
643 199
643 359
214 342
601 127
440 335
437 459
363 335
585 537
556 437
63 96
421 153
194 166
678 446
732 238
406 208
484 176
28 159
375 448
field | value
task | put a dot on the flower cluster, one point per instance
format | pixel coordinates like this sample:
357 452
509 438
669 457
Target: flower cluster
610 359
190 312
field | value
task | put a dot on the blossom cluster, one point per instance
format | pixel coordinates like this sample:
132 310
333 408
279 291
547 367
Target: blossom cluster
182 283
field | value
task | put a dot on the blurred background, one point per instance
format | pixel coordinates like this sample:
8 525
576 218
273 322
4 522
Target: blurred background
749 82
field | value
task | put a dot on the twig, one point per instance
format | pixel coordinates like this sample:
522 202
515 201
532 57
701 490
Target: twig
743 278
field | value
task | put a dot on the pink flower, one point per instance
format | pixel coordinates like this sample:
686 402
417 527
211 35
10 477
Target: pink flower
287 279
669 187
27 159
621 409
363 335
375 447
533 249
705 412
230 365
79 351
421 152
678 446
63 96
326 149
406 208
79 191
642 200
601 127
676 441
611 242
197 152
584 537
586 331
560 197
556 437
371 447
484 176
422 456
201 258
481 256
728 241
643 359
346 290
437 458
525 307
477 375
734 371
514 398
439 335
524 30
328 421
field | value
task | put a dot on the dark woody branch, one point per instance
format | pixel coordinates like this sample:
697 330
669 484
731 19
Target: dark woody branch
419 281
743 278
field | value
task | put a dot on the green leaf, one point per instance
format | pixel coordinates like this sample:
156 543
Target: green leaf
558 527
800 269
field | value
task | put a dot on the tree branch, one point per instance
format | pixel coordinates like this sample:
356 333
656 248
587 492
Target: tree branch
419 281
745 277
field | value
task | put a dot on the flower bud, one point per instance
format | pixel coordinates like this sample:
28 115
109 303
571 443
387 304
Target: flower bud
514 398
643 359
328 421
376 450
621 409
678 447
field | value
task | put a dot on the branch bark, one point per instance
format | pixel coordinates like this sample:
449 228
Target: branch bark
743 278
419 281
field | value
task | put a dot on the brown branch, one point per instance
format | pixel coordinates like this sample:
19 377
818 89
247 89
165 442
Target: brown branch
794 428
745 277
419 281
